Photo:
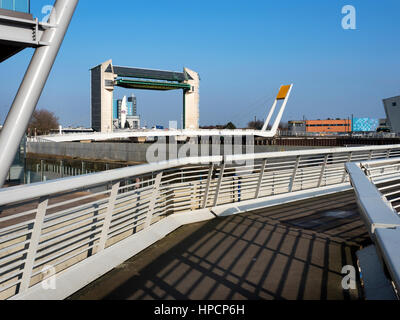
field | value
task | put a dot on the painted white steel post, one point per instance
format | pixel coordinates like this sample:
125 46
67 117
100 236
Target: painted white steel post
33 83
207 191
153 200
370 156
281 111
33 244
107 219
260 179
267 121
344 167
221 175
296 167
321 177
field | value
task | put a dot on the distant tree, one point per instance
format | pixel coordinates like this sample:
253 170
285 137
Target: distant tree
42 122
256 125
230 126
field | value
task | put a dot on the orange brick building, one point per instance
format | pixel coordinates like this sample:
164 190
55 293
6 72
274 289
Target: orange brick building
334 126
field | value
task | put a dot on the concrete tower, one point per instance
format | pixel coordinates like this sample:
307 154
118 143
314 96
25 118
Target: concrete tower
191 101
102 91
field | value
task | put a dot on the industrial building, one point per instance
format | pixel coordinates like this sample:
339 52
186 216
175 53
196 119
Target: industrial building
105 77
392 109
337 126
365 124
320 126
329 126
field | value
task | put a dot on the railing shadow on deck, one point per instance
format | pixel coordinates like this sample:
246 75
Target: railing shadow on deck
251 256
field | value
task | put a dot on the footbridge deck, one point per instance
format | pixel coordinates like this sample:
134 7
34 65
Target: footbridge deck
292 251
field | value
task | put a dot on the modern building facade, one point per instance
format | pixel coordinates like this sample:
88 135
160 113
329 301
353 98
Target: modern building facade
392 109
365 124
131 104
132 118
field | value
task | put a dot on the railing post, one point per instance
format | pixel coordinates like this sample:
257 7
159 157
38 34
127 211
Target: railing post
321 177
296 167
344 167
221 175
260 179
33 244
207 191
153 200
273 184
108 217
41 170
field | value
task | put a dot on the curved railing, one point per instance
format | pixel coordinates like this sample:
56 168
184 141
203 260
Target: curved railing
61 223
377 188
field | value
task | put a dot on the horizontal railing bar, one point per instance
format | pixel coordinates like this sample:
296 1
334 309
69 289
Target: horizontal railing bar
18 215
65 252
125 219
12 266
126 227
59 204
14 236
76 216
13 246
18 226
68 228
46 244
65 259
389 187
74 213
9 286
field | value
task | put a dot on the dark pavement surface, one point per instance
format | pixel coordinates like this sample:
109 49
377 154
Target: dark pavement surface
294 251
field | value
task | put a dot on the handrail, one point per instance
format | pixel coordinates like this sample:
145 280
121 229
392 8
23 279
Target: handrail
68 222
22 193
25 192
380 216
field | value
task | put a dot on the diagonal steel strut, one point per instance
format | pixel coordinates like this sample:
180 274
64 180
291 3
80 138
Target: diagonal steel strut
32 85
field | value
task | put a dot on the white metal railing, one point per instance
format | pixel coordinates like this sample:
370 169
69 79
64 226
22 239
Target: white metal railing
63 222
377 187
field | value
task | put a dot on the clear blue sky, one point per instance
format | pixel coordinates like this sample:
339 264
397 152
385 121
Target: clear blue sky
243 50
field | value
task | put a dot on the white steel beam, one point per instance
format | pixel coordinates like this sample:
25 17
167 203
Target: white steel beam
33 83
33 244
207 191
218 187
153 199
108 217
